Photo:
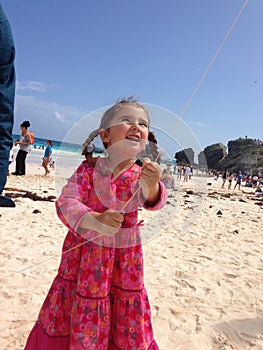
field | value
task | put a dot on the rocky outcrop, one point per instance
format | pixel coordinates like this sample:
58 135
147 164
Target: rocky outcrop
244 154
185 156
212 155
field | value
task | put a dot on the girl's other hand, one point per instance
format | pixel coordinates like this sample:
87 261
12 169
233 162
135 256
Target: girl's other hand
107 223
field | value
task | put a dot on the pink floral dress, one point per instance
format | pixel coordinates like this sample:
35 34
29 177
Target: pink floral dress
98 300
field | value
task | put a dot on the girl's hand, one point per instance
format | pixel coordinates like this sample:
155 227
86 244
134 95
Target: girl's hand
107 223
149 181
151 173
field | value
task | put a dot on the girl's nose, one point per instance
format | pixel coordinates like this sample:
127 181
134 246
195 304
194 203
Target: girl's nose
135 125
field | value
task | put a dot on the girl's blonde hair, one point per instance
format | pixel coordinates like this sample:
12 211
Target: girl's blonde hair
151 151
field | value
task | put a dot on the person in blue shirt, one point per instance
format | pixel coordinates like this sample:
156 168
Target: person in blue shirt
47 156
239 179
7 96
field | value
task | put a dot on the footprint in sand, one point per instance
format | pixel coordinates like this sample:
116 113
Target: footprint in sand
174 312
224 343
198 324
185 284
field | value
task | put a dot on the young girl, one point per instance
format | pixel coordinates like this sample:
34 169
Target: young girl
98 300
47 157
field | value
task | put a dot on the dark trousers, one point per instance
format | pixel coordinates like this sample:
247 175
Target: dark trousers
21 162
7 93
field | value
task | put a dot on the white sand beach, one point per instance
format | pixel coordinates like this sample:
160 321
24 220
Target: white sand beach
203 263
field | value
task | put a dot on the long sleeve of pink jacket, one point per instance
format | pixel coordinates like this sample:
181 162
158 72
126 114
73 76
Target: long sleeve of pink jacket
71 206
78 196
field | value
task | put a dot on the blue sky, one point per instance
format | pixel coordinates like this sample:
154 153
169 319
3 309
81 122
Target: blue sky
74 57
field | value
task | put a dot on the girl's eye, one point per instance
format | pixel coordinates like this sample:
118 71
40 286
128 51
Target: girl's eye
130 121
126 120
144 124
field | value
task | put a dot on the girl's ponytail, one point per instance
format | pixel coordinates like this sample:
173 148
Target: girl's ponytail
153 148
88 148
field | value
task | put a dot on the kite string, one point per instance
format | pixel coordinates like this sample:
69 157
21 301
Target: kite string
213 59
180 117
198 85
173 129
202 78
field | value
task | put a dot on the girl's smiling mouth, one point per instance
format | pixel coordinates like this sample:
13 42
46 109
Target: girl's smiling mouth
134 138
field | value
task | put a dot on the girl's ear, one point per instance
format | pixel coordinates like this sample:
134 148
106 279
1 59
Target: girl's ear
104 135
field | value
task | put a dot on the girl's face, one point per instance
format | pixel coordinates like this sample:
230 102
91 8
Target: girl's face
129 128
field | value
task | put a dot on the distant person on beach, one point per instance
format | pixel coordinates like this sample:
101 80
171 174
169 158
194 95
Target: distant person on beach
98 299
168 179
180 170
259 190
248 182
24 148
7 96
47 156
255 181
11 159
238 180
51 163
224 178
191 172
230 179
187 172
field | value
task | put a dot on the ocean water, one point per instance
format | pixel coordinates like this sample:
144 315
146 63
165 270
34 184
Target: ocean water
73 149
69 153
56 145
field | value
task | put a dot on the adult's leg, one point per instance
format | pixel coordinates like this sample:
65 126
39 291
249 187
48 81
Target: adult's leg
20 163
7 93
23 163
